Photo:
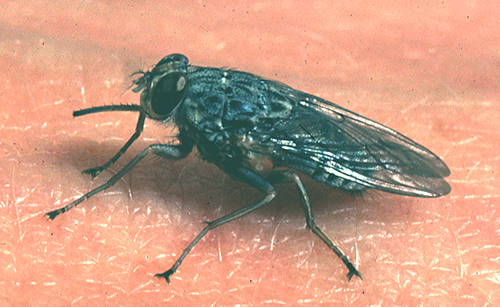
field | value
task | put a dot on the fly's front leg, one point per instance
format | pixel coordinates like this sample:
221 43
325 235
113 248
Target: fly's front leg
247 176
95 171
167 151
291 177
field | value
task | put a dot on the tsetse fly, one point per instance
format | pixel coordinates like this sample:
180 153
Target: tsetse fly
238 121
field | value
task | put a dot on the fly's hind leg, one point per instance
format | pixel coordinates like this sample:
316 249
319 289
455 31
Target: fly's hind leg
291 177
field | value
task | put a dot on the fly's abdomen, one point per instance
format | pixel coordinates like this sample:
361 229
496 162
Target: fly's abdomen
319 174
335 181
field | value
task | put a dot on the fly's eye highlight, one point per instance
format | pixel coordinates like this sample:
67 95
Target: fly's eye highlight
168 93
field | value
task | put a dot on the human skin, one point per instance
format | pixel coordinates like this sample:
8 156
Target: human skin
427 71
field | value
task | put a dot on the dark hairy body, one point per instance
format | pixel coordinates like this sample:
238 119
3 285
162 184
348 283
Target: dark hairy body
261 132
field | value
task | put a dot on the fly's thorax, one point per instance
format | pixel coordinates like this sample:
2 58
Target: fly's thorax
218 99
199 114
214 102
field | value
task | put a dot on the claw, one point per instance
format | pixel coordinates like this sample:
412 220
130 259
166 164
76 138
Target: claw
352 272
94 172
165 275
53 214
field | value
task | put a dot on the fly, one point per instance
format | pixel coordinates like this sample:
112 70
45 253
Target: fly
237 121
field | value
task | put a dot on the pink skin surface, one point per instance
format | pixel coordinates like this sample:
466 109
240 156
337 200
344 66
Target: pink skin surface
429 71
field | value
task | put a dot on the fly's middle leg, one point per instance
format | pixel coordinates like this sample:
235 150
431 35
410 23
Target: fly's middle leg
247 176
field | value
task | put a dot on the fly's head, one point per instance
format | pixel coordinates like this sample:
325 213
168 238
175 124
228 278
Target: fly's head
164 87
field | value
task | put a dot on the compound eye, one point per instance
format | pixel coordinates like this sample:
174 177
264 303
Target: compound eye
175 57
168 93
